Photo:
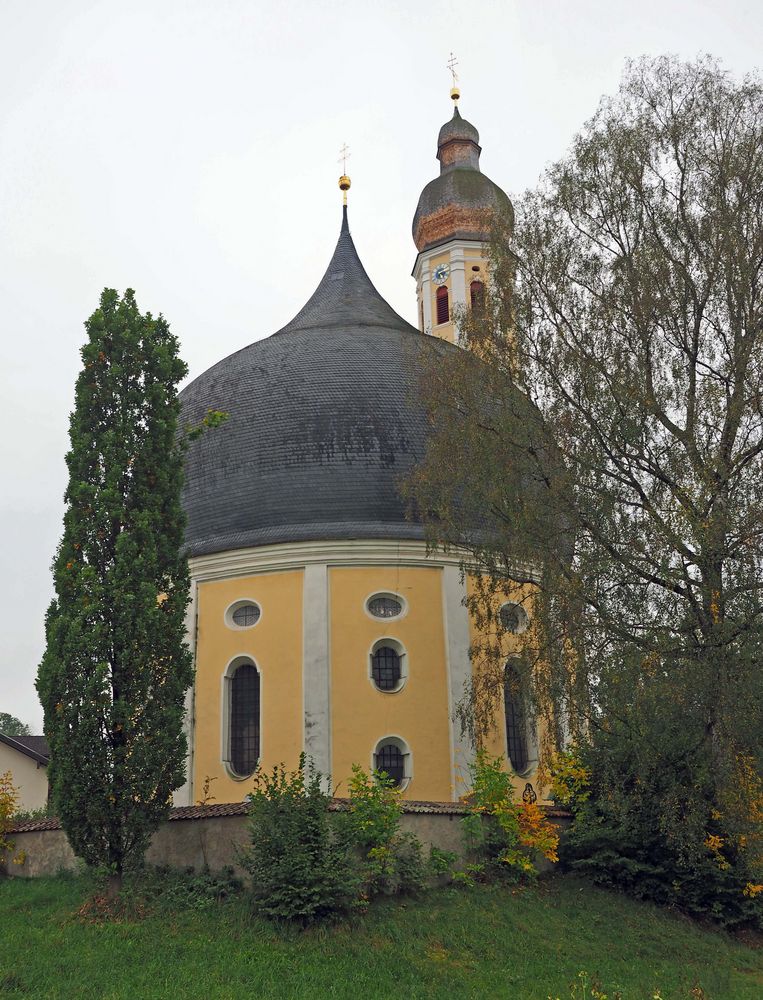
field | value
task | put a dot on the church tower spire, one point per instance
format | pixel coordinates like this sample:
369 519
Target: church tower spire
451 227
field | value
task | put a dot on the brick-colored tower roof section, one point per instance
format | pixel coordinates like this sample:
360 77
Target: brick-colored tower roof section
459 203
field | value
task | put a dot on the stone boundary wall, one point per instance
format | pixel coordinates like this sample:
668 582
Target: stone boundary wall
209 836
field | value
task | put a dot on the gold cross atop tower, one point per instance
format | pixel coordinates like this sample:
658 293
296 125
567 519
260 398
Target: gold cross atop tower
344 180
455 93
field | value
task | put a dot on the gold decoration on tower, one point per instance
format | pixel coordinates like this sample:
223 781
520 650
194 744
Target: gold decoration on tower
455 93
344 180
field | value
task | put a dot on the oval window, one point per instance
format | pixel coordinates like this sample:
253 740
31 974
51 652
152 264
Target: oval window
514 618
243 614
384 606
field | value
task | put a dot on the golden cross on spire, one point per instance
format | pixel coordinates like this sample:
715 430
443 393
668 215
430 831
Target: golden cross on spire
344 180
455 93
452 63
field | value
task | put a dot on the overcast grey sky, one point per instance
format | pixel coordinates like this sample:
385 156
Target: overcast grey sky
189 150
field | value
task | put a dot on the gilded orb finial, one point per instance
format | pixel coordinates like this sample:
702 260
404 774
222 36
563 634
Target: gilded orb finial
344 180
455 93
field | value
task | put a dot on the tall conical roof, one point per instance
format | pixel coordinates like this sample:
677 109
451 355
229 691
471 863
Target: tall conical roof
324 420
345 294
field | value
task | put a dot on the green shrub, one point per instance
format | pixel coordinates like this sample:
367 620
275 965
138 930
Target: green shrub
620 838
502 835
391 862
300 869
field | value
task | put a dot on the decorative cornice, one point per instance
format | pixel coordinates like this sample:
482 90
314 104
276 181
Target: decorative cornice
297 555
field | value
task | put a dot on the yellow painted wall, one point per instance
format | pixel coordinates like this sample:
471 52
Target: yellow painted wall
361 714
472 256
29 778
509 644
275 645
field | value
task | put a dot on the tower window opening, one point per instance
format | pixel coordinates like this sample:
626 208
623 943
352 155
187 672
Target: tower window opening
477 293
443 308
244 720
516 719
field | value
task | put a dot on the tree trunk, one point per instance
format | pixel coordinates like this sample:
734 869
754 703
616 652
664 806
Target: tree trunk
114 886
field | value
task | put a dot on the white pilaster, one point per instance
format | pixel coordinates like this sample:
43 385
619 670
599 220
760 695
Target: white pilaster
183 796
316 675
425 284
457 275
459 670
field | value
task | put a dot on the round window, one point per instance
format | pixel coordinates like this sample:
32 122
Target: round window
384 606
514 618
243 614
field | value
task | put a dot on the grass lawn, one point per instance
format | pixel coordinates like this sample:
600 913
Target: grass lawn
454 943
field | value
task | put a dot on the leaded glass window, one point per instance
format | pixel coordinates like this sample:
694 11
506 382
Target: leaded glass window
385 668
390 759
244 719
516 720
246 615
384 606
513 618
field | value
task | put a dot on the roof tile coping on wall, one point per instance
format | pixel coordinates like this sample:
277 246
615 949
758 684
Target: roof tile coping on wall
216 809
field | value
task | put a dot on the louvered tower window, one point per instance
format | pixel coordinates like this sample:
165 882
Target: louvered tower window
477 295
443 309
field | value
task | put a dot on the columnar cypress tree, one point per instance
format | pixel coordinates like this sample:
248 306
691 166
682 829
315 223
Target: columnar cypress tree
116 667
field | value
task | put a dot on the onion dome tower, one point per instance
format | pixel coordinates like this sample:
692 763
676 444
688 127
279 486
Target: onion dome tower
451 226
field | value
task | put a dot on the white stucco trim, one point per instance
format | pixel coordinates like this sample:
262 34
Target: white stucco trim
297 555
458 665
183 796
316 668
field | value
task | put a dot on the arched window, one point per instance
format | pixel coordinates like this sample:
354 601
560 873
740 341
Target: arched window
516 719
477 293
443 309
386 667
393 756
243 719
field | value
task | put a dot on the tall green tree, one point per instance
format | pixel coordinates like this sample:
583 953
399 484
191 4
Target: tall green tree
11 726
619 464
116 668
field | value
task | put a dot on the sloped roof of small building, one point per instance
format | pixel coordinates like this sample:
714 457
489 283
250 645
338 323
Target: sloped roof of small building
35 747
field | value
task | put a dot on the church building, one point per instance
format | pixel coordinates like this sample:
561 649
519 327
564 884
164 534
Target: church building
318 621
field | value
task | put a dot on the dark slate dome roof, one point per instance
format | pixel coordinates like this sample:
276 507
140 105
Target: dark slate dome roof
324 420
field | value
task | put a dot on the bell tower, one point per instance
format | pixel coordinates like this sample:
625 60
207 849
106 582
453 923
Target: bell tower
451 228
